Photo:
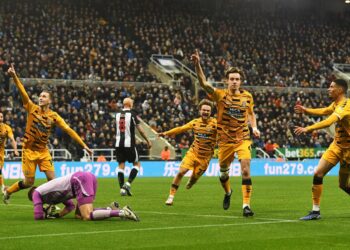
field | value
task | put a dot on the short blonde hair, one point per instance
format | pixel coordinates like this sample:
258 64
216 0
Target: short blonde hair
128 102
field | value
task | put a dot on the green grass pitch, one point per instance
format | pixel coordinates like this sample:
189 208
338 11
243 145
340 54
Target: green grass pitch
195 221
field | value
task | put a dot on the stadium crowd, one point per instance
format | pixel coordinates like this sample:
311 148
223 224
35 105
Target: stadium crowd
114 40
89 110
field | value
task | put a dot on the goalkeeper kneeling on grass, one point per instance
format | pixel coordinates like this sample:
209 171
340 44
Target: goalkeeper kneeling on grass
83 187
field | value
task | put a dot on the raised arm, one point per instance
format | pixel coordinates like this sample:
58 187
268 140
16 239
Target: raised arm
25 98
200 74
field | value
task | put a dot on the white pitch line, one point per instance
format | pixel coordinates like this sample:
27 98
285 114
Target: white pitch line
213 216
182 214
15 205
142 230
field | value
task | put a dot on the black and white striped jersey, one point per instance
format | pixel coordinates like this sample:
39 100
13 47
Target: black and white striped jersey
126 122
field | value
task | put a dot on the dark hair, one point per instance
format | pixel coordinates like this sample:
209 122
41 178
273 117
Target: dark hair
30 193
234 70
205 102
342 83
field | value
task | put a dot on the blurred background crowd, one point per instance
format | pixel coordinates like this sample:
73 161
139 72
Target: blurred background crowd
114 40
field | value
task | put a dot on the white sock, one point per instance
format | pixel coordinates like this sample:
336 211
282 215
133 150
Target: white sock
316 208
245 205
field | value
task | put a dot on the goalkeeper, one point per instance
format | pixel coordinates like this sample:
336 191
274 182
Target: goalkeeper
83 187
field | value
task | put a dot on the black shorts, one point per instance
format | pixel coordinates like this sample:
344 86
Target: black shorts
127 154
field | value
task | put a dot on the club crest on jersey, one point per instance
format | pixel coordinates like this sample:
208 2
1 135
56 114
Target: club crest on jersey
244 104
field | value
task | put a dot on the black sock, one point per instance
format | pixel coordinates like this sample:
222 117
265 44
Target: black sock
21 185
133 174
121 179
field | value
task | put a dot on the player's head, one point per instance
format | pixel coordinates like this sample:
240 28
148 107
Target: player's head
234 77
128 103
44 98
341 83
205 107
30 193
338 87
1 117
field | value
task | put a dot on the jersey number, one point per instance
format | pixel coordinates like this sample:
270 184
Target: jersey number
122 125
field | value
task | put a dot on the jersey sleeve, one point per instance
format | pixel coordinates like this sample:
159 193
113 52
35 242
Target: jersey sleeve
9 132
251 104
69 205
136 118
38 206
321 111
323 124
29 106
341 112
181 129
63 125
217 95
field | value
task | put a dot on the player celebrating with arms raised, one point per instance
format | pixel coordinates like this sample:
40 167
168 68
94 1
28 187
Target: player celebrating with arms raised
201 151
234 110
339 150
40 122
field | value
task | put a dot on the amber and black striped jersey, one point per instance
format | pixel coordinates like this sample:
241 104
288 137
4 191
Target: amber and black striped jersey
39 126
5 132
342 128
232 115
205 134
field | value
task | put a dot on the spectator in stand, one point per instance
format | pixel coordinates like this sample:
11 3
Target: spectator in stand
269 148
165 154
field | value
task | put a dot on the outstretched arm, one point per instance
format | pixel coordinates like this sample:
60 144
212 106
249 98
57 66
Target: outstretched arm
319 125
319 111
201 77
25 98
177 130
63 125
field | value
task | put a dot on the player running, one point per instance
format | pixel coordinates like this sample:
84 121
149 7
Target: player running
339 150
234 113
201 151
